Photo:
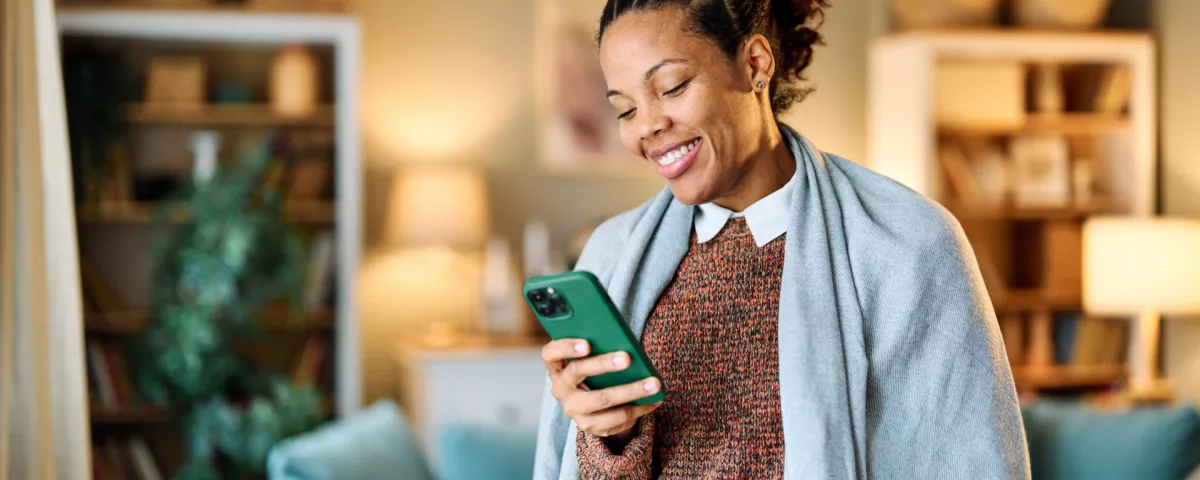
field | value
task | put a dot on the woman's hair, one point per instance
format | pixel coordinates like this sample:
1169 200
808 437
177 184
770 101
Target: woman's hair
789 25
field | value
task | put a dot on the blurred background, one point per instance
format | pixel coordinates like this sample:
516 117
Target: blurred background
302 225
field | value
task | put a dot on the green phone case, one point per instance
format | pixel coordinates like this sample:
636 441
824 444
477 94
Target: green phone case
590 315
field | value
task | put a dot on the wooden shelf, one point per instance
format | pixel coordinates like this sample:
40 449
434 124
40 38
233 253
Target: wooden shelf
996 35
203 6
1101 206
1034 300
1063 124
128 415
316 212
217 115
1062 377
273 318
143 415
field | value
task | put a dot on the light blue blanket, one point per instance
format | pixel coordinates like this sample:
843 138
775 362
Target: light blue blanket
891 363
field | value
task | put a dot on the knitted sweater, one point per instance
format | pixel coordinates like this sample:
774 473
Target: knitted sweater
713 336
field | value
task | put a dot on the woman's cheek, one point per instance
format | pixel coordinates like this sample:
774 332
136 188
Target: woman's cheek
629 139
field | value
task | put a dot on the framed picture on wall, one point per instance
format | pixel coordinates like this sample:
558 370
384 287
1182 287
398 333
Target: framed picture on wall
577 131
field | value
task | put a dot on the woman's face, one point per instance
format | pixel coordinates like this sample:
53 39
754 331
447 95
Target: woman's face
681 104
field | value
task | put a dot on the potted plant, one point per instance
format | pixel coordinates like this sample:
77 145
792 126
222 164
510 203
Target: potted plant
231 254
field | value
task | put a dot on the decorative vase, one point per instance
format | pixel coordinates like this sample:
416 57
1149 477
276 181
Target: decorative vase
293 87
1072 14
919 14
503 311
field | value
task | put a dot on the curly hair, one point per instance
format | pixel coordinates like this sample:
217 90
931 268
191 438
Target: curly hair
789 25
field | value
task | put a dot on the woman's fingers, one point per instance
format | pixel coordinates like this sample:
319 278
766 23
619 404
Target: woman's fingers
588 403
579 370
555 353
601 412
614 420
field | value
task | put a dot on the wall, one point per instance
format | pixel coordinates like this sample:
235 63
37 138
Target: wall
451 81
1180 179
834 116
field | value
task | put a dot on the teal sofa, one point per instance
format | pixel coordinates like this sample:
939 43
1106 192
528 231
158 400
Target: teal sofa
378 443
1067 441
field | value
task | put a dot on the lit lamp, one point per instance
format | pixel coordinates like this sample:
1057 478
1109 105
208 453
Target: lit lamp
1145 267
440 214
442 207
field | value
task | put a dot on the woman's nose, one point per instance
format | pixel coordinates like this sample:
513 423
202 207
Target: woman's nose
653 124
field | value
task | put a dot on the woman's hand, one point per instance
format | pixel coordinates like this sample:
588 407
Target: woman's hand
601 412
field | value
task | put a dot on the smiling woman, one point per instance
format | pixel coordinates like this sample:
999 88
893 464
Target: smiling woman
809 318
699 97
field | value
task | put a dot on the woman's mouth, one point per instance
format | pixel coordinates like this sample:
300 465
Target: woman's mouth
674 162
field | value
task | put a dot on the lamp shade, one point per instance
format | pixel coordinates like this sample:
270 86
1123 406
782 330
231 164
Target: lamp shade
439 206
1134 265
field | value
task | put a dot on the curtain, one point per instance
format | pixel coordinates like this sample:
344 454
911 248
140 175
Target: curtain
44 430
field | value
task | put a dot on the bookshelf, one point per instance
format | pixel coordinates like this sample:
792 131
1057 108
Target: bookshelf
227 115
1022 136
133 212
116 236
1063 124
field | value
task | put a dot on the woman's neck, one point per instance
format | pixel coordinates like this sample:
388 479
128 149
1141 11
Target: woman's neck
766 172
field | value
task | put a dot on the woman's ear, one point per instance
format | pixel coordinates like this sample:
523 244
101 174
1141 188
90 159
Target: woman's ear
760 62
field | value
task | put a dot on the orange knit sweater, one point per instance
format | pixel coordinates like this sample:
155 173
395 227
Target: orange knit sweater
713 336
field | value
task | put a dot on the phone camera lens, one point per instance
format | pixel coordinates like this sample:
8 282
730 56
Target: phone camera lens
545 310
559 304
537 296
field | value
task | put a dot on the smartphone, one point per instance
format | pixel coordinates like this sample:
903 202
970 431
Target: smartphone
575 305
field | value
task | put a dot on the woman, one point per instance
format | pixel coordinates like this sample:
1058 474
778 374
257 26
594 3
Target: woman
810 319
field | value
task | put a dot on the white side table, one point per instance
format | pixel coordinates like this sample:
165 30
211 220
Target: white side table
493 383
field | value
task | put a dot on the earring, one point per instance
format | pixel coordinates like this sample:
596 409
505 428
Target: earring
759 85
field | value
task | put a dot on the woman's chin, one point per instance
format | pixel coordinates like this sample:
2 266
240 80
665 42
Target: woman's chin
687 193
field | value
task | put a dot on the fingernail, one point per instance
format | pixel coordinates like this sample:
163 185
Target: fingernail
650 385
619 359
581 347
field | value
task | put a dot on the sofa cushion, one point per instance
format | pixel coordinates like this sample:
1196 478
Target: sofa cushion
374 443
468 452
1070 441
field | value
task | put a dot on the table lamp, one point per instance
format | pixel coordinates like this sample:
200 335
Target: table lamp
440 215
440 207
1145 267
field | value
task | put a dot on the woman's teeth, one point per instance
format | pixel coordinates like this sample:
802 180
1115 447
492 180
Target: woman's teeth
677 153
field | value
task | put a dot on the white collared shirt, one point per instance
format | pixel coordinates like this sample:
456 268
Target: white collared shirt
766 218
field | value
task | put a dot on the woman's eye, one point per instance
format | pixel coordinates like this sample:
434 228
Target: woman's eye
625 114
678 88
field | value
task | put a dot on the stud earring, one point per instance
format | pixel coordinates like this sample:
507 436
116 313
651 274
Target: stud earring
759 85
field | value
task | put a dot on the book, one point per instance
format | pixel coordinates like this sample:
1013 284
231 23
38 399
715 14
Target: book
98 367
119 371
307 368
1012 329
1062 262
115 464
309 180
958 174
1064 338
1115 88
319 277
143 460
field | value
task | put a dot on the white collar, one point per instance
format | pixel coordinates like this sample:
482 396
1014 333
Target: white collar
766 218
